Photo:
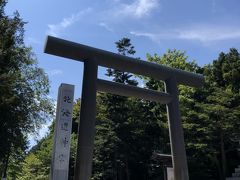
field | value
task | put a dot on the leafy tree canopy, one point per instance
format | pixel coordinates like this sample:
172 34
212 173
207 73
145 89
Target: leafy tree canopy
24 104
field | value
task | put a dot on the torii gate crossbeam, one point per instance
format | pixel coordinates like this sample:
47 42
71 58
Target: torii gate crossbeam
93 58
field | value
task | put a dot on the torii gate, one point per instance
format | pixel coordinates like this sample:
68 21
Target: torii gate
93 58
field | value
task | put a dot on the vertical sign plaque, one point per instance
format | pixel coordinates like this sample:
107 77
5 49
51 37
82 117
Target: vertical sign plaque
62 134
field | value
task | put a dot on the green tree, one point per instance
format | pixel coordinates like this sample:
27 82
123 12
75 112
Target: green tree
31 168
112 130
179 60
225 71
36 164
24 86
73 147
222 108
210 115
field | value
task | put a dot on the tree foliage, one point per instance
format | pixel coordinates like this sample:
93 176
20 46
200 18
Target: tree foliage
112 130
24 86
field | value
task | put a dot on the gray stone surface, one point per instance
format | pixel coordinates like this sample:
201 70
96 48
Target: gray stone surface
176 132
86 129
62 133
170 173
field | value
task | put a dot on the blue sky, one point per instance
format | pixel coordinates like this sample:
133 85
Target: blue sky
202 28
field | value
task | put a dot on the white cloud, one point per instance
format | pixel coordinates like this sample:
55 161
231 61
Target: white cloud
204 34
210 34
153 36
54 72
56 29
138 8
107 27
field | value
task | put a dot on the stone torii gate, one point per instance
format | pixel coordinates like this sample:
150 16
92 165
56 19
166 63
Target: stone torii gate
93 58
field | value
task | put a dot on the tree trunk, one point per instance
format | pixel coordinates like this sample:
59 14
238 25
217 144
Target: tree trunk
218 164
223 156
115 169
127 169
4 176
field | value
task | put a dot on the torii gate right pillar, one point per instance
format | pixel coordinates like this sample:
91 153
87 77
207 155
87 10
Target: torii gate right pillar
176 132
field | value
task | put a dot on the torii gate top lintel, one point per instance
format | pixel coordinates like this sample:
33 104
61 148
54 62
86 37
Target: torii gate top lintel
79 52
